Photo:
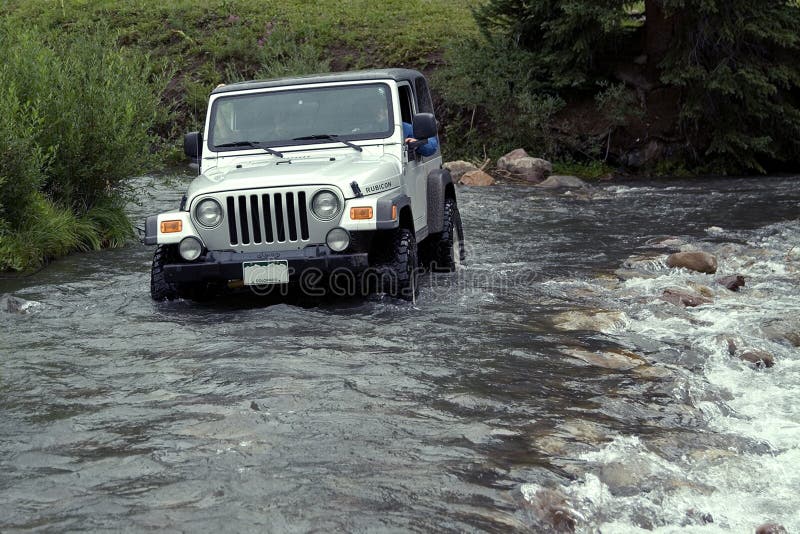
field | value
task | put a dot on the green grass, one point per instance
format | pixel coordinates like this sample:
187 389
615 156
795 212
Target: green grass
207 43
51 231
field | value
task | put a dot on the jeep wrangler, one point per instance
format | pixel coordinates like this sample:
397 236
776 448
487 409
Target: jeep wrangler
311 176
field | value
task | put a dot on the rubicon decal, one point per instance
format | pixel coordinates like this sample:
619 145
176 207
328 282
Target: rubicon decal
378 187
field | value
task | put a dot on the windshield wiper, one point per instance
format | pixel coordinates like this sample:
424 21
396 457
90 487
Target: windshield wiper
252 144
331 137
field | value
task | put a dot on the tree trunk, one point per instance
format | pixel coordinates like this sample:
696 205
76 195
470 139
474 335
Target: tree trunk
660 31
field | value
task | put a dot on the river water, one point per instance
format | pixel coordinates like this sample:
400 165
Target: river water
545 387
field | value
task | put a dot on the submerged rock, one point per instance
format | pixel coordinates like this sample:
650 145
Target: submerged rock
550 507
18 306
781 330
459 168
702 262
771 528
619 359
698 518
679 297
563 182
733 282
476 178
598 320
759 358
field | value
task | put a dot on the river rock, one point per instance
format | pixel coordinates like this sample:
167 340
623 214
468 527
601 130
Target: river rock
562 182
759 358
678 297
620 360
698 518
733 282
17 305
458 169
597 320
530 169
702 289
783 330
702 262
771 528
476 178
551 507
514 155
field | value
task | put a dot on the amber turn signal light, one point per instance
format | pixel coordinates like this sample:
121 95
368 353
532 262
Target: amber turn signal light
360 214
394 213
171 227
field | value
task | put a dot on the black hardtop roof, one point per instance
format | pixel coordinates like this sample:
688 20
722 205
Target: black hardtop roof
398 75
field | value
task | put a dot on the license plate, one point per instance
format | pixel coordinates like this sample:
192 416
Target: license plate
259 273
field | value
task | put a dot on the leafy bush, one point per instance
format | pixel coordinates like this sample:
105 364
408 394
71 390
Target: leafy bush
97 103
23 162
490 93
76 114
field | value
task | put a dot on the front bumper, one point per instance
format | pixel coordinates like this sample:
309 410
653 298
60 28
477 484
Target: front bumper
224 266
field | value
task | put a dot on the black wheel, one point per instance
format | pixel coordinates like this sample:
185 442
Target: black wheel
399 270
160 289
445 250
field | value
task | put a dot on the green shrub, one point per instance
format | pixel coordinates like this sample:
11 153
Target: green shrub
491 96
76 119
23 161
97 104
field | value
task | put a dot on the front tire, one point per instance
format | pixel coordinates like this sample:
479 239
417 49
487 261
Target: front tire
399 270
446 249
160 288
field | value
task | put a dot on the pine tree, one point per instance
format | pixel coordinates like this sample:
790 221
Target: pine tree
734 64
738 64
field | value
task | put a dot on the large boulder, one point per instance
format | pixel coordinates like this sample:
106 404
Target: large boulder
530 169
514 155
520 165
476 178
702 262
562 182
458 169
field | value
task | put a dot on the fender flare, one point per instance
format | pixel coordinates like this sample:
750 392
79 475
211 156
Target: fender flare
384 205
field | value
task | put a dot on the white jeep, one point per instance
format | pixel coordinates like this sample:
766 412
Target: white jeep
309 178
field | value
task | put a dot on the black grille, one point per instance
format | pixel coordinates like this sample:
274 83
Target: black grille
270 217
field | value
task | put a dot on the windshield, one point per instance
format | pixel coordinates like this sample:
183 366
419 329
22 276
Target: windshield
302 116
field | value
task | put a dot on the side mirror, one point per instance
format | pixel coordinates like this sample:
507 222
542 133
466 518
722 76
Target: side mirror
193 145
424 125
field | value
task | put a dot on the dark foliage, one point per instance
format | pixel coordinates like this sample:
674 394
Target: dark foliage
735 65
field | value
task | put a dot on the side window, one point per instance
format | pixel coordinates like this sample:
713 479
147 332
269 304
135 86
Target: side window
406 107
423 96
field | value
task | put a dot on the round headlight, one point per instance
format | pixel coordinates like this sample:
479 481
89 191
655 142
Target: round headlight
208 213
338 239
190 248
325 205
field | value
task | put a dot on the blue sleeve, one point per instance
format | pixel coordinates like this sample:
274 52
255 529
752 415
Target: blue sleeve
429 148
